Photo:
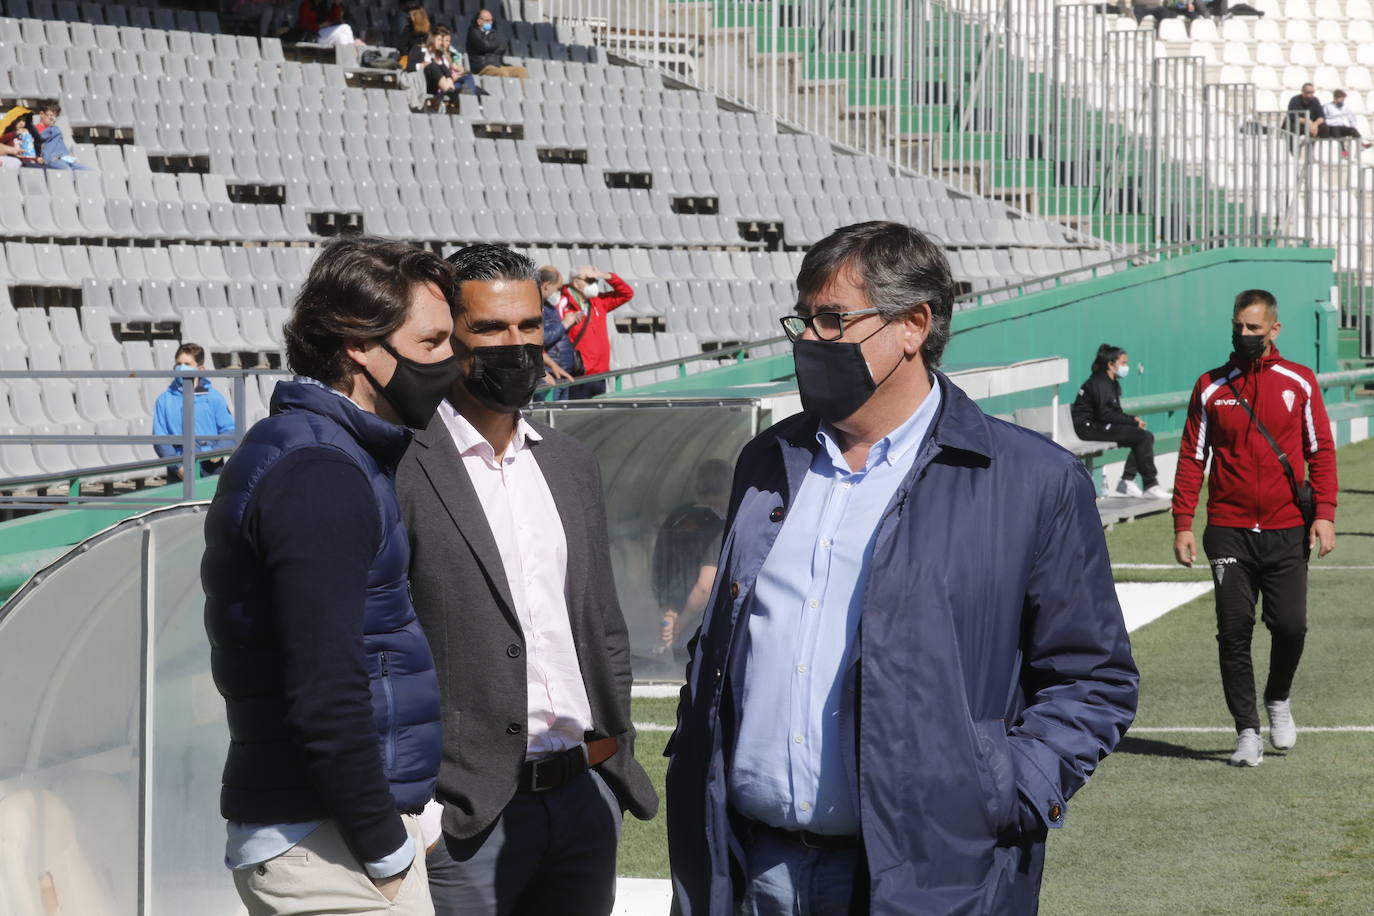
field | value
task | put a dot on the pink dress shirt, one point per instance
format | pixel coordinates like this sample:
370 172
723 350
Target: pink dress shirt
534 552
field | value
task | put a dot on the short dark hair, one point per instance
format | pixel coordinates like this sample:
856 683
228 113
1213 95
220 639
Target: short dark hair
546 275
1106 355
487 263
52 105
195 351
1338 94
1249 297
898 268
441 30
358 290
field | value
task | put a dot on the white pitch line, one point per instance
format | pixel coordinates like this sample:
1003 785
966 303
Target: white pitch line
656 691
1144 730
1223 730
1203 569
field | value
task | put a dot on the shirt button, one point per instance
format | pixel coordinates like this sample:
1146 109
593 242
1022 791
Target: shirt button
805 806
825 543
797 739
776 515
846 485
513 650
734 589
813 603
514 728
801 669
1056 812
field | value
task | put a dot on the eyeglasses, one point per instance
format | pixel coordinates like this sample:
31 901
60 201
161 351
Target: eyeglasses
825 325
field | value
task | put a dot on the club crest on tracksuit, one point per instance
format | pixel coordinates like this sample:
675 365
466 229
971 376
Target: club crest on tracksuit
1289 396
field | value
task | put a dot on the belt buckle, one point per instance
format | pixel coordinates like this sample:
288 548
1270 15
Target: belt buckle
805 838
535 767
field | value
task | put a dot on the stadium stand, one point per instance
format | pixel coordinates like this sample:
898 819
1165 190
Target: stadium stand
204 199
1068 111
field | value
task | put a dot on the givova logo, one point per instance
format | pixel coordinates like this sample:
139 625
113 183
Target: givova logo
1219 567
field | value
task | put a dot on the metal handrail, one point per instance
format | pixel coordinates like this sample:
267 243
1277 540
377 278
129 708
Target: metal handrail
191 455
1132 260
1178 400
736 351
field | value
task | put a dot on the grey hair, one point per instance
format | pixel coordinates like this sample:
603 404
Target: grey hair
897 268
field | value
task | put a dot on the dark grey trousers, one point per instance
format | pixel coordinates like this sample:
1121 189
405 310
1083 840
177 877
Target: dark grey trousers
548 852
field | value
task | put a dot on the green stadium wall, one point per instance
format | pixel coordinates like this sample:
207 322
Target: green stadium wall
1173 317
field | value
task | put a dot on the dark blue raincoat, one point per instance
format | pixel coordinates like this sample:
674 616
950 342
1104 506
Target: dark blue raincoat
992 670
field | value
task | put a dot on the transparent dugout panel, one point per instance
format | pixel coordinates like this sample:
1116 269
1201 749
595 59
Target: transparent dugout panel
651 462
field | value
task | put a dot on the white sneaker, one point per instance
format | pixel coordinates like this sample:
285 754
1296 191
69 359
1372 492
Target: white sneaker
1249 749
1283 731
1128 488
1158 492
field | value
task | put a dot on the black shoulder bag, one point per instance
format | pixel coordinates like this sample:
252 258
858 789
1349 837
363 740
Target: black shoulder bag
1302 495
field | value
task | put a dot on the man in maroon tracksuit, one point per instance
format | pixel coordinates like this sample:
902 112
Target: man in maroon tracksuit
1256 538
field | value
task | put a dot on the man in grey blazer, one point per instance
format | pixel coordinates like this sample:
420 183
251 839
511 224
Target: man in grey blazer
511 578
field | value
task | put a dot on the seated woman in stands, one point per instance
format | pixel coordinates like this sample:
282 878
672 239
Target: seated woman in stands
445 74
1098 417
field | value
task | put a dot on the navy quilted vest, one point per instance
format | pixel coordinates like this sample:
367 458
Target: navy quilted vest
264 775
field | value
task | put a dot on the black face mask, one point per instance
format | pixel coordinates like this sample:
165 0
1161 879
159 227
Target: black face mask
1247 347
416 389
504 378
833 377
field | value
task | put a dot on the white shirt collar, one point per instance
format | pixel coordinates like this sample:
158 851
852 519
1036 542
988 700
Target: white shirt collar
894 445
470 442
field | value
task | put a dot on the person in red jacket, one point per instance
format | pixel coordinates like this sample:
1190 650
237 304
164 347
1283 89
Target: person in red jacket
585 304
1256 538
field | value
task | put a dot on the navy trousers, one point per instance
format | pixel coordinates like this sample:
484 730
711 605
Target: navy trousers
548 852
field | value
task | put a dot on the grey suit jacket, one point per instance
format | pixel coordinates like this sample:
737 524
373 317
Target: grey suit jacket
464 603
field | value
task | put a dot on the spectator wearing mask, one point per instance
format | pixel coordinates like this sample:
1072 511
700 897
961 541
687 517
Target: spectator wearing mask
212 416
1305 114
52 150
1098 417
560 357
17 148
445 75
583 308
486 49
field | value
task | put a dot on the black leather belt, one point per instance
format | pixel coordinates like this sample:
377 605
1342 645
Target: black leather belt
808 839
562 768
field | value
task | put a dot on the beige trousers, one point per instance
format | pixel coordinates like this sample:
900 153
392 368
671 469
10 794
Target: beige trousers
320 875
514 70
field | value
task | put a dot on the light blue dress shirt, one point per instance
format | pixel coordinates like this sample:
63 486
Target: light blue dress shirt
788 768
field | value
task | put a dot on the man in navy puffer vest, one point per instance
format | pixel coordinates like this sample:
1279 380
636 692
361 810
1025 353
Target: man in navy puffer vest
332 699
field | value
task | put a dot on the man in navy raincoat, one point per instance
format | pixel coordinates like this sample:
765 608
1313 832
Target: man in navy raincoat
914 654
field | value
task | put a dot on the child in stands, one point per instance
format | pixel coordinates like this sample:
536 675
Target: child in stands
17 147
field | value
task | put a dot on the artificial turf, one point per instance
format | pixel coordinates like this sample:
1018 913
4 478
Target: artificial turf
1165 826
